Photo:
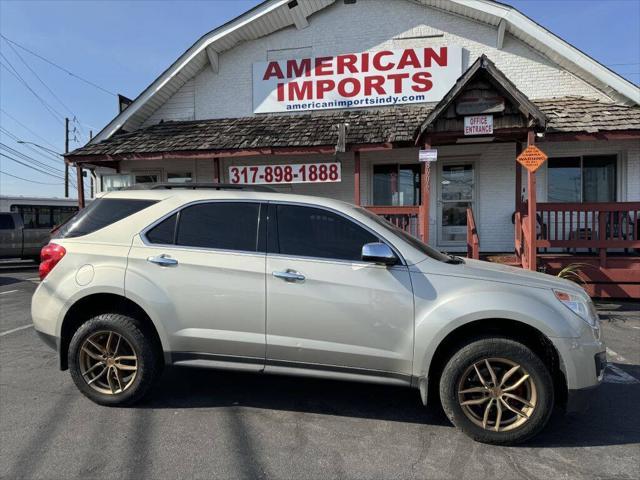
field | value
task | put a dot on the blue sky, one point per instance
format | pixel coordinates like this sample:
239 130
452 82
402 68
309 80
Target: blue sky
122 46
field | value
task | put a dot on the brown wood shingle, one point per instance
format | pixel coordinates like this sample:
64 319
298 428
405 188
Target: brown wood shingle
385 125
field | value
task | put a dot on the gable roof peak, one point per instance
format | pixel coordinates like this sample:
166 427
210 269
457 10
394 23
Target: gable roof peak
483 65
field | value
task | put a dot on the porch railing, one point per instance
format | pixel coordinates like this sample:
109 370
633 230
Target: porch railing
591 227
473 240
405 218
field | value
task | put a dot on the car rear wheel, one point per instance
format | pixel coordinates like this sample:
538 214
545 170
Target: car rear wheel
111 360
497 390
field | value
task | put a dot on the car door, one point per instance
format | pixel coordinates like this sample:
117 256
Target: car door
325 307
202 273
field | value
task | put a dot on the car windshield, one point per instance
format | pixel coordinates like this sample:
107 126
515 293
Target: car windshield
410 239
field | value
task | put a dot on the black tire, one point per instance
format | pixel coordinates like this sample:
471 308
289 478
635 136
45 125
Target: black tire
148 360
491 348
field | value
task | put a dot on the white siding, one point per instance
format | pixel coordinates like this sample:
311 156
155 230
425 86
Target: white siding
373 25
181 106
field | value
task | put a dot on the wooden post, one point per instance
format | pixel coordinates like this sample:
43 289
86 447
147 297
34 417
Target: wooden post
602 229
532 213
423 216
80 182
216 170
66 165
356 177
518 202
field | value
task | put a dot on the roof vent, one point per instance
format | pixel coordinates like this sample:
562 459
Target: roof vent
292 4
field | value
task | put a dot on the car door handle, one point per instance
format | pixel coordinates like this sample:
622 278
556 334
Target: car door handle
163 260
289 276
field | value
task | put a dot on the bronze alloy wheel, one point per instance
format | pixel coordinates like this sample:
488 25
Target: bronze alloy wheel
497 394
108 362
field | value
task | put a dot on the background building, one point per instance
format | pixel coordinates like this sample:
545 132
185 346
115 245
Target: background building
338 97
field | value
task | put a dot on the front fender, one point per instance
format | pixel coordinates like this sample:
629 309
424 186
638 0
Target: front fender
443 307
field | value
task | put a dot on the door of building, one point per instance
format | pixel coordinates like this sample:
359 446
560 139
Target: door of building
456 193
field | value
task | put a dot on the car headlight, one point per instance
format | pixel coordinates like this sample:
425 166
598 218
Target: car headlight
581 306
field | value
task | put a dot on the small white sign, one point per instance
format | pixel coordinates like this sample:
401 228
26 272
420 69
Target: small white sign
428 155
478 125
278 174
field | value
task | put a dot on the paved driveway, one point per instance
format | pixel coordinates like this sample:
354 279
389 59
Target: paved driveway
206 424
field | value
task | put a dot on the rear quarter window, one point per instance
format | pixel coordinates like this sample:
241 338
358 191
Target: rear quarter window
99 214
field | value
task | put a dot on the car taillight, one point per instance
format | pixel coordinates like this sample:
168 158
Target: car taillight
50 255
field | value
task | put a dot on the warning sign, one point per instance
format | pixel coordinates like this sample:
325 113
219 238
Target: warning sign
532 158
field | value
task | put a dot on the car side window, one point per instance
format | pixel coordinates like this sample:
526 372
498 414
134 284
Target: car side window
164 232
220 225
315 232
6 222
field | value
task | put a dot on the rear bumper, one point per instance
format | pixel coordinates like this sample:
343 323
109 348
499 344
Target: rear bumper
48 340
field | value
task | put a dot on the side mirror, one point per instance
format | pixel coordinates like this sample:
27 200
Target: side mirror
379 253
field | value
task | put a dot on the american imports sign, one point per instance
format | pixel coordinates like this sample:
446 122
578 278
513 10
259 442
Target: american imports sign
368 79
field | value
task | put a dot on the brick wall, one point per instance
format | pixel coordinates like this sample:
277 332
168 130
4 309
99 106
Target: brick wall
368 25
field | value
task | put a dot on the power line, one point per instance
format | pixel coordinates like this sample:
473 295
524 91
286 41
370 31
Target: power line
17 75
95 85
41 166
48 156
27 128
27 158
31 166
40 79
27 180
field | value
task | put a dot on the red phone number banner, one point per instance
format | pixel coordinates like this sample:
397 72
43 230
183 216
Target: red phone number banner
277 174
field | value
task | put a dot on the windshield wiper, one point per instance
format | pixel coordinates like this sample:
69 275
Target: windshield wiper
453 259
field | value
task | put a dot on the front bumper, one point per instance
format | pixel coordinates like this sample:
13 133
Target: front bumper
582 359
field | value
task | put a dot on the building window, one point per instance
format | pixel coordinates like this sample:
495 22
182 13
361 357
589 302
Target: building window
179 177
146 177
118 181
396 185
590 178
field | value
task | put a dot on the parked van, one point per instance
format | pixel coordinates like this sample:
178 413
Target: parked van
26 223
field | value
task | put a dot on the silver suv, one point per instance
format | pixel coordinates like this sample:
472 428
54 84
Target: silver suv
287 284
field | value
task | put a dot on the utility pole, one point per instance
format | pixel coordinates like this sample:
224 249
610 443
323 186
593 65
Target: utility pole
91 194
66 150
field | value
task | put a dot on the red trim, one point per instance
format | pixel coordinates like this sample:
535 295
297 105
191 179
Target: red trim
356 178
204 154
589 137
391 210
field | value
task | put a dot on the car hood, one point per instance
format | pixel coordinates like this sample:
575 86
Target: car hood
496 272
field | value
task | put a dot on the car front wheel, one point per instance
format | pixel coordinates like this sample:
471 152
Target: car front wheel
111 360
497 390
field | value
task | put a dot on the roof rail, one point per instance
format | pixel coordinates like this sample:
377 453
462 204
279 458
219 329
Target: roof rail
211 186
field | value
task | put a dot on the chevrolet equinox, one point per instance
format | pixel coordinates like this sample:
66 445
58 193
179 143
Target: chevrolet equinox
287 284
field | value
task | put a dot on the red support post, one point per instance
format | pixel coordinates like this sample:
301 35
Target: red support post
518 202
80 182
356 178
532 211
423 216
216 170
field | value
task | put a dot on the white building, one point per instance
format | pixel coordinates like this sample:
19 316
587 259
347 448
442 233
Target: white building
353 89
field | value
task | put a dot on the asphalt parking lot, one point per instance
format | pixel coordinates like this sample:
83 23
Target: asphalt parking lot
206 424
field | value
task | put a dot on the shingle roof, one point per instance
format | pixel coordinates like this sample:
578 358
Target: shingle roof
384 125
578 114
